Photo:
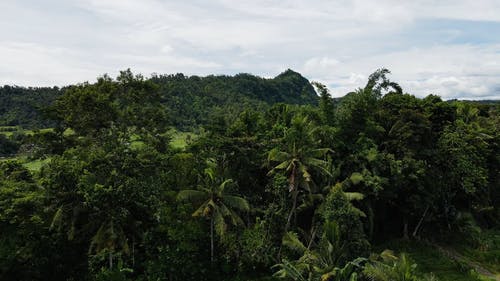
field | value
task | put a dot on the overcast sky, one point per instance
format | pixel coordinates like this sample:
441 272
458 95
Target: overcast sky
450 48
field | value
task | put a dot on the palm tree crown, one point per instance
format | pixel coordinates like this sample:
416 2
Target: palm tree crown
215 204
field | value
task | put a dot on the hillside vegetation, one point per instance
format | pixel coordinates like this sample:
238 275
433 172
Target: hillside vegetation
190 101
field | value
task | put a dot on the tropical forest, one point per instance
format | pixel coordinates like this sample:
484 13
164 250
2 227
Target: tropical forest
176 177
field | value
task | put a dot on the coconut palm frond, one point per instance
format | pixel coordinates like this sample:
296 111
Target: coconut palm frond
354 196
236 202
223 185
388 255
57 219
358 212
275 155
203 210
288 270
291 241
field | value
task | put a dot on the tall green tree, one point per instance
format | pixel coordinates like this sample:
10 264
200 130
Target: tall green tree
216 204
128 104
326 104
296 158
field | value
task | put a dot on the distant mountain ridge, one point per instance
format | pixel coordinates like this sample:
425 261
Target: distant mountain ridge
190 100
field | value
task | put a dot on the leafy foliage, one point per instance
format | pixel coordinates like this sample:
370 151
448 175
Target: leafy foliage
275 176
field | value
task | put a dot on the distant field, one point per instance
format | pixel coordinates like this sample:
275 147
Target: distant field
181 139
10 130
31 165
36 165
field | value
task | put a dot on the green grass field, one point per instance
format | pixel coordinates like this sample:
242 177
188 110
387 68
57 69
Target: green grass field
181 139
31 165
36 165
10 130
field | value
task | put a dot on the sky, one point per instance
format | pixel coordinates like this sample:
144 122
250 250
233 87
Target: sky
449 48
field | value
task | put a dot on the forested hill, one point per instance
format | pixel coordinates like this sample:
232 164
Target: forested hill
194 100
190 100
20 106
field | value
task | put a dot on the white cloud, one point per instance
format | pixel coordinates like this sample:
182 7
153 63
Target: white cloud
338 42
166 49
315 66
23 63
450 71
33 64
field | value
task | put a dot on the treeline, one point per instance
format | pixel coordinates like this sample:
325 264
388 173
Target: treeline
191 101
301 192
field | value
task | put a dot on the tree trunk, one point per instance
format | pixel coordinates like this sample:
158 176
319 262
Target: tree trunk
289 219
405 229
371 219
292 211
212 240
415 231
133 251
313 234
110 260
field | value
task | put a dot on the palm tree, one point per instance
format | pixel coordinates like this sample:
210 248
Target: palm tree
467 112
322 262
109 237
391 267
67 214
297 159
216 204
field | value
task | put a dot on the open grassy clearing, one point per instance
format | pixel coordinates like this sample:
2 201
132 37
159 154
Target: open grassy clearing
10 130
181 139
36 165
30 164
